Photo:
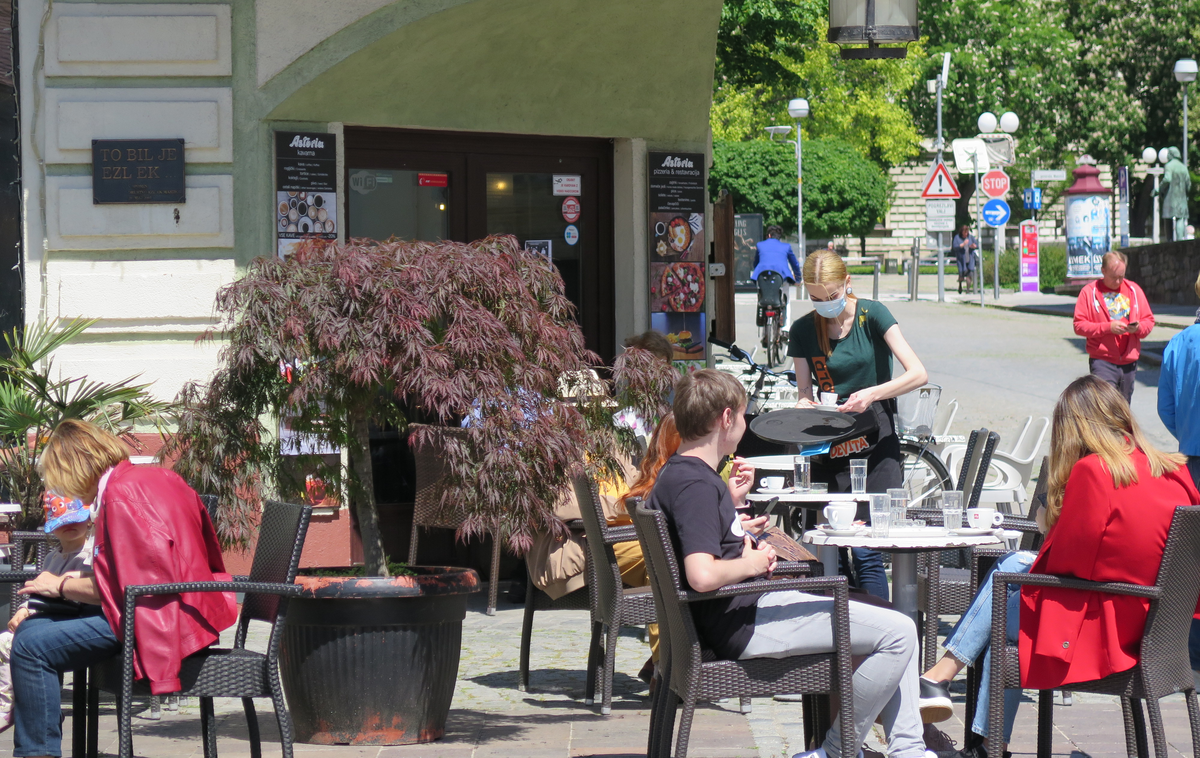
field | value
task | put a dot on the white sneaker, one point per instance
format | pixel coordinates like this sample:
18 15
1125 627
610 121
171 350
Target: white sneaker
820 753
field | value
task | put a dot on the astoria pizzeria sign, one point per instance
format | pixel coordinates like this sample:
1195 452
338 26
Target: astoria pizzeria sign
137 171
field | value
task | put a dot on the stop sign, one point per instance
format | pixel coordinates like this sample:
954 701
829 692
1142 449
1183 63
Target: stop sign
995 183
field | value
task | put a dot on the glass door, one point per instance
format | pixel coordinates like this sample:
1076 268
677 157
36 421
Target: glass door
411 196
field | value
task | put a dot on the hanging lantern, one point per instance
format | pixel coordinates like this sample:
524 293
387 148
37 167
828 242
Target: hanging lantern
872 23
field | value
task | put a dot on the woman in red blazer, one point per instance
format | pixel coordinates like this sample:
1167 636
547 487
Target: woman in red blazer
1109 503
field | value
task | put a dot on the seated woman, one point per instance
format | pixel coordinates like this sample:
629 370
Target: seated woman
150 528
1111 495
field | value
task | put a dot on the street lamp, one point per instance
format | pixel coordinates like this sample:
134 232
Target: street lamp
797 109
1185 73
1008 123
870 22
1149 157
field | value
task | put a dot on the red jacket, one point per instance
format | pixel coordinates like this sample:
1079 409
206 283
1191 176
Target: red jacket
1103 534
153 529
1093 321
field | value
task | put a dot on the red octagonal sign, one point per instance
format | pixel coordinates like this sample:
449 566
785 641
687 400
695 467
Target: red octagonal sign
570 210
995 183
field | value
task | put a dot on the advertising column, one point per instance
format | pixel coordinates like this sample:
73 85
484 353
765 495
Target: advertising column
1088 224
678 254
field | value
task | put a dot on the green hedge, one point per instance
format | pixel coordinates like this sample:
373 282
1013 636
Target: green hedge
1052 267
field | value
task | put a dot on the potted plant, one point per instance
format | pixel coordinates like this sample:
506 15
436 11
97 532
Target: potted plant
340 336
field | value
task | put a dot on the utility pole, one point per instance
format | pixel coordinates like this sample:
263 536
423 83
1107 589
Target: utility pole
978 226
941 146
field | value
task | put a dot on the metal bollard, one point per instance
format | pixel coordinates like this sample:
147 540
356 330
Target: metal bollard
915 268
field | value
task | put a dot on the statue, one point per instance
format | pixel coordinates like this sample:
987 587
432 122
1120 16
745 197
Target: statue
1175 185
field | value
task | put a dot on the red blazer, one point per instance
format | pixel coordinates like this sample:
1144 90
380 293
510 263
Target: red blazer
153 529
1103 534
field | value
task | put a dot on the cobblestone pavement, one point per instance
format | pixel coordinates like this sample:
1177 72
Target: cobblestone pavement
490 718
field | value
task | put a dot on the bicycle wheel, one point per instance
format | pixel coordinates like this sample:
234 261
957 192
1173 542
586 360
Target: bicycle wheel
773 341
925 476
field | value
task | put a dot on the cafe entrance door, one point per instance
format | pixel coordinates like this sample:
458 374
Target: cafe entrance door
553 194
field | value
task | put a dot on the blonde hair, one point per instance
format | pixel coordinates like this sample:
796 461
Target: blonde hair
76 456
1092 417
700 399
826 267
1112 257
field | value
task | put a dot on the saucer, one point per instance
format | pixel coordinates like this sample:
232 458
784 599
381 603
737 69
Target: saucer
971 532
852 532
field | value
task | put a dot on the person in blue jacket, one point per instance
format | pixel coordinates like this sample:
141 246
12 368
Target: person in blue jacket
773 254
1179 409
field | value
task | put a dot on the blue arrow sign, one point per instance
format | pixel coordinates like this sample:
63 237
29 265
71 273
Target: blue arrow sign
996 212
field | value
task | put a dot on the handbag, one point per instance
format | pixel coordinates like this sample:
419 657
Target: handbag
53 606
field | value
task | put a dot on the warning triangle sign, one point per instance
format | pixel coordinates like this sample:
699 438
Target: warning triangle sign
938 183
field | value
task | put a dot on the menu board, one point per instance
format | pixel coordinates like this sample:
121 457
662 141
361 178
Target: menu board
678 255
305 188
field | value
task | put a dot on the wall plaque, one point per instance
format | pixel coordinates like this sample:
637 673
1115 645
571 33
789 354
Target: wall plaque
137 171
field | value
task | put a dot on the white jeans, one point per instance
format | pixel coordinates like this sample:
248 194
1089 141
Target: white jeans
885 683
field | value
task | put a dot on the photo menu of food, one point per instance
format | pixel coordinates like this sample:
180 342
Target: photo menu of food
678 251
305 188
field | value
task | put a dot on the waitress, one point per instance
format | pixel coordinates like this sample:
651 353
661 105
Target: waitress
846 345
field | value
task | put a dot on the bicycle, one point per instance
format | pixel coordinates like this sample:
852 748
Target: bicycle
772 305
925 475
759 394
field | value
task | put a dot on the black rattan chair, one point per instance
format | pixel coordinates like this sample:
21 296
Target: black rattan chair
1163 668
613 605
949 591
688 673
536 600
219 672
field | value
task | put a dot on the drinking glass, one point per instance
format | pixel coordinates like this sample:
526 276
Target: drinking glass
899 504
802 470
952 509
881 515
858 475
819 488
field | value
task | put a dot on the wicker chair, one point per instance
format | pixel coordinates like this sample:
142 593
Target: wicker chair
946 591
16 578
217 672
613 605
430 469
536 600
686 672
1163 668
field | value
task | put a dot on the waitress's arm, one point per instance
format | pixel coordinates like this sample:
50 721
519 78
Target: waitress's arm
804 396
913 377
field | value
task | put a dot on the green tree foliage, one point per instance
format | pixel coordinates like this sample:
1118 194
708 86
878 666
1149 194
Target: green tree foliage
757 40
859 102
844 193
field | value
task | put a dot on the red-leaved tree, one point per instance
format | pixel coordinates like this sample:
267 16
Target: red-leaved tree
397 332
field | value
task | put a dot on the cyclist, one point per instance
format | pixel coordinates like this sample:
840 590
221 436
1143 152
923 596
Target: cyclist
773 255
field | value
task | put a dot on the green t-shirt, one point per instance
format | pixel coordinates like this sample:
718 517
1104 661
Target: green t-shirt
859 360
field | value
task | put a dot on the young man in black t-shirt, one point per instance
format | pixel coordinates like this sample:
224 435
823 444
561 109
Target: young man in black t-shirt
713 541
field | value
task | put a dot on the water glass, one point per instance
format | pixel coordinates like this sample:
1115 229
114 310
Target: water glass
952 511
881 515
899 504
802 470
819 488
858 475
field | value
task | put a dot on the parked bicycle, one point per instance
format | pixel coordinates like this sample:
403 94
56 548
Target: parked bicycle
925 474
755 376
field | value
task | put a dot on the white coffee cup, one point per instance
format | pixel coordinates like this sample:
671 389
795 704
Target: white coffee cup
841 515
984 518
771 482
829 398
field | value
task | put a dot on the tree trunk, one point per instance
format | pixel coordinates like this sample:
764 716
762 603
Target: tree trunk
862 245
364 495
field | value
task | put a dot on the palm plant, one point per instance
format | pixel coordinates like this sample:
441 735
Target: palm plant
33 402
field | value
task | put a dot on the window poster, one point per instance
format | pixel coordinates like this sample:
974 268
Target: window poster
685 332
305 188
678 253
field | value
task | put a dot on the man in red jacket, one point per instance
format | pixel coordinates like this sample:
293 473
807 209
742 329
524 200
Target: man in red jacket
1112 313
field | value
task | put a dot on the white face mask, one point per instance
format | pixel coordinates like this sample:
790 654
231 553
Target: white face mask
830 308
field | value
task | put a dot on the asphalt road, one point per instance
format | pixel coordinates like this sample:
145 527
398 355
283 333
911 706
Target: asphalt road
1001 366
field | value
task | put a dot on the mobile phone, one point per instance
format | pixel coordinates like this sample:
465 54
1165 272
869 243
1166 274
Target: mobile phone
764 507
1133 324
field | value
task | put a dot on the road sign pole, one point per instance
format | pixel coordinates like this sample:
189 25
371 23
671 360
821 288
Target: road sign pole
999 232
978 225
941 144
941 271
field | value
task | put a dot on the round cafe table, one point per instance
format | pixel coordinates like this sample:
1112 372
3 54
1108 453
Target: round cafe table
797 509
904 544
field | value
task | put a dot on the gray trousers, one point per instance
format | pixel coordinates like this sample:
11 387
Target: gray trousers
1117 375
885 683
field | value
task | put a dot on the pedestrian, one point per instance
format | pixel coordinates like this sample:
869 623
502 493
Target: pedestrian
1179 409
847 345
963 248
717 548
1112 313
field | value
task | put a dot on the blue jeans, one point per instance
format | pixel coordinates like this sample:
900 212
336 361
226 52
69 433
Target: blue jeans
44 648
868 568
973 634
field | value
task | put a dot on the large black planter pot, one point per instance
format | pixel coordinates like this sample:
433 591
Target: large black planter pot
371 661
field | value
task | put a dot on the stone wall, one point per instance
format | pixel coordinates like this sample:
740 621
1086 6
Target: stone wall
1166 272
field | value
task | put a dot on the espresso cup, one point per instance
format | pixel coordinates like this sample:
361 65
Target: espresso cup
984 518
771 482
841 515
